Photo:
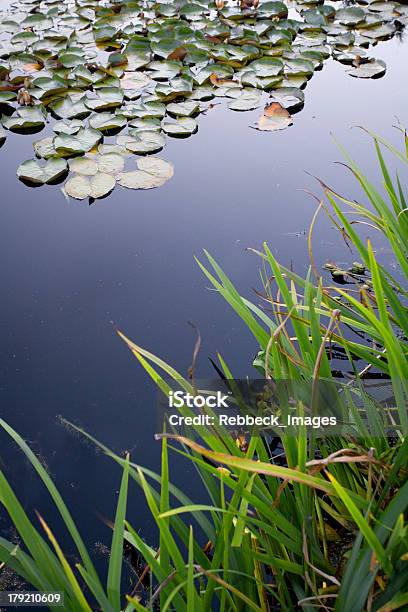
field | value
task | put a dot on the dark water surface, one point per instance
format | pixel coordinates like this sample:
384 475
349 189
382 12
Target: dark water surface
71 272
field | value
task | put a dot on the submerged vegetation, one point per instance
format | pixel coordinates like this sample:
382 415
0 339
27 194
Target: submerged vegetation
115 79
292 521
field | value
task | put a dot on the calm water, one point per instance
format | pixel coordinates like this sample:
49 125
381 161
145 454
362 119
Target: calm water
72 272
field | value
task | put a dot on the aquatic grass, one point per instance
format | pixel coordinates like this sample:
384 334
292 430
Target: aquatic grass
254 528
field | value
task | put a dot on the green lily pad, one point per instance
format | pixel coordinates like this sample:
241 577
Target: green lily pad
273 9
142 142
70 107
106 98
183 109
152 124
32 172
291 98
174 89
163 71
298 67
76 144
149 110
250 99
351 15
44 148
72 127
202 93
107 122
26 118
372 69
185 126
267 66
96 186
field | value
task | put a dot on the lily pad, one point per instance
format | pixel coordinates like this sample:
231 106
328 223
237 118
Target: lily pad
70 107
291 98
85 166
142 142
33 173
27 118
185 126
274 118
106 98
267 66
250 99
111 163
183 109
45 148
76 144
153 172
72 127
107 122
372 69
97 186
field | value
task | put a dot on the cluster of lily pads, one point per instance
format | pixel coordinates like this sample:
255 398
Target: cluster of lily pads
115 78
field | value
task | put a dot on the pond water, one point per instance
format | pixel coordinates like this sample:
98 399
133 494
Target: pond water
71 272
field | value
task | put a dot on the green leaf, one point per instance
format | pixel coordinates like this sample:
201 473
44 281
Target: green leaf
76 144
116 553
32 172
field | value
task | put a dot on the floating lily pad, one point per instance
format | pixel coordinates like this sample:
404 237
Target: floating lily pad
83 165
372 69
103 149
351 15
33 173
70 107
142 142
108 122
185 126
183 109
153 172
45 148
28 118
96 186
298 67
72 127
111 163
291 98
106 98
150 124
267 67
274 118
250 99
76 144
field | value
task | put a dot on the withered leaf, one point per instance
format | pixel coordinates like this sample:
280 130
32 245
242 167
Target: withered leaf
179 54
274 118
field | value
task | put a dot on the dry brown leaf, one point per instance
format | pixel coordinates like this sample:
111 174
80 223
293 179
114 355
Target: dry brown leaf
32 67
219 81
178 54
220 4
274 109
275 117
